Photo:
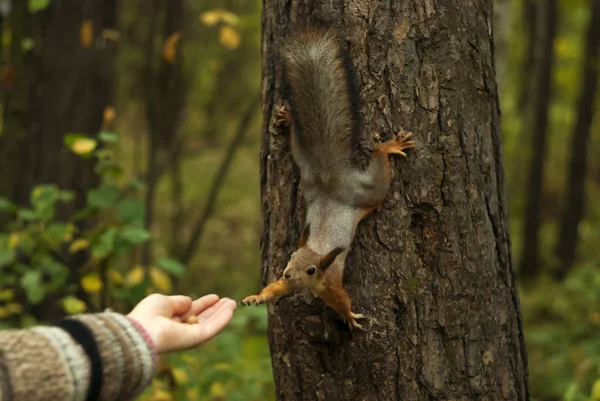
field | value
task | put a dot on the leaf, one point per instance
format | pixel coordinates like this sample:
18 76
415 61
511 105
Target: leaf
108 136
217 389
27 215
13 240
170 47
115 276
27 44
131 211
80 144
31 282
7 295
79 245
171 266
7 257
91 283
161 280
180 376
213 17
44 196
60 232
135 235
229 37
596 391
73 306
37 5
108 116
6 205
13 308
135 276
103 197
105 243
87 34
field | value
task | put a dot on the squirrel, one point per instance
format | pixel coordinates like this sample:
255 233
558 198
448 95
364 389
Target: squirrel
337 193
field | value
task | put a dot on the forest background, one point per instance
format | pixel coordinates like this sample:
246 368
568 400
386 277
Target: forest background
148 130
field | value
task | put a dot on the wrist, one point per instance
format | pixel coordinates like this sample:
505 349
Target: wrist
150 342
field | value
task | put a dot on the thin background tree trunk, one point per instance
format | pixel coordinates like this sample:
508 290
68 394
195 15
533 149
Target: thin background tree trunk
529 264
575 191
432 268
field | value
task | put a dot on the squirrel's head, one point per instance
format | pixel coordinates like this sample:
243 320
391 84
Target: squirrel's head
307 266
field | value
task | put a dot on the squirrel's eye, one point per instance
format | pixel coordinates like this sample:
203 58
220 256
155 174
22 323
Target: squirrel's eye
311 270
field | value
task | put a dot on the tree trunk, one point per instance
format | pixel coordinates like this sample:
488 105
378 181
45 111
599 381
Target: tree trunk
165 101
61 86
432 268
537 127
575 194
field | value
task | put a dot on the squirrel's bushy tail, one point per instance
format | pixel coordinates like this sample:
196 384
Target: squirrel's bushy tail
321 93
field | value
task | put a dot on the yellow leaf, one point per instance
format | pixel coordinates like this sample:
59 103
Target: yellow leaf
72 305
229 37
222 366
596 391
217 389
192 394
111 34
160 279
13 308
135 276
13 240
3 313
180 376
7 295
115 276
161 395
83 145
78 245
108 115
91 283
170 48
213 17
87 34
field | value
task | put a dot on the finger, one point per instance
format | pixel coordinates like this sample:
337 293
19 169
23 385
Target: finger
201 304
209 312
217 322
180 304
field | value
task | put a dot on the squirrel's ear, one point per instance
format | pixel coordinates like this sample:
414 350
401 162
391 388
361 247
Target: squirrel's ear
328 259
304 237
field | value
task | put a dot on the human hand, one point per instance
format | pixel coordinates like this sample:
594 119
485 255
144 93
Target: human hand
164 318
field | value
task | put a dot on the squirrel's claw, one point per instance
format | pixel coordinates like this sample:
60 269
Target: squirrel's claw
352 323
284 119
252 300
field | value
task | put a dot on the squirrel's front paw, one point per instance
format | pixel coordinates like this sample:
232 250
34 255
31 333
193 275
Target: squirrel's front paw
253 299
352 323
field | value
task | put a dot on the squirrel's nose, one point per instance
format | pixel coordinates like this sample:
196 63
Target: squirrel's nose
287 275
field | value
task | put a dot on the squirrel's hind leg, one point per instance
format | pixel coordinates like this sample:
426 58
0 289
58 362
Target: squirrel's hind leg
397 145
284 118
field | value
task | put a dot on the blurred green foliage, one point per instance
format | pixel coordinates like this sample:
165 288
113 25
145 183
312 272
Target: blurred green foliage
560 318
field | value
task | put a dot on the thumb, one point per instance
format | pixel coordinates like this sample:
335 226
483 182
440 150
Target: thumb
180 304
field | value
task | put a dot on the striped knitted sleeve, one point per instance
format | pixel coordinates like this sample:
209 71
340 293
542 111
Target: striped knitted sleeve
104 356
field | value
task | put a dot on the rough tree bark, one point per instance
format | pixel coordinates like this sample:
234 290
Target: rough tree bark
536 126
432 268
575 192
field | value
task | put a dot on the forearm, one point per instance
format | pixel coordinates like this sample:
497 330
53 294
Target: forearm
104 354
